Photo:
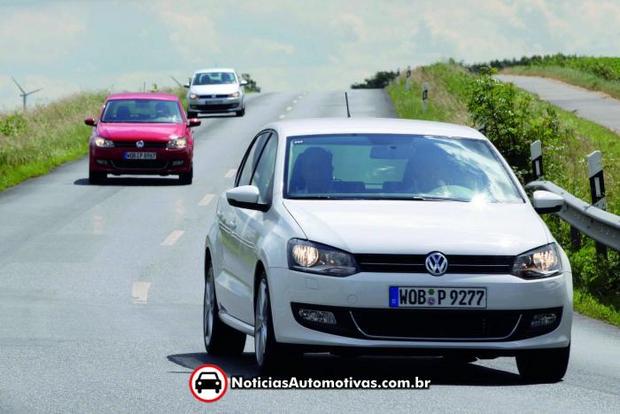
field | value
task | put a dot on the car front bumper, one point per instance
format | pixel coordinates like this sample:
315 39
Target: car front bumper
219 105
167 162
354 297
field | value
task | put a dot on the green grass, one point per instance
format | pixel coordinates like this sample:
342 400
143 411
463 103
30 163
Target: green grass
587 304
448 96
569 75
45 137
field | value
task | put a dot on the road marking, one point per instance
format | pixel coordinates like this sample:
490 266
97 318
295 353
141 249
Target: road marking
294 101
282 116
288 108
206 200
140 292
231 173
172 238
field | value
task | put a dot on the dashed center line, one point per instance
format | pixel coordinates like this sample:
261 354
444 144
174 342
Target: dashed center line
288 108
206 200
140 292
172 238
282 116
231 173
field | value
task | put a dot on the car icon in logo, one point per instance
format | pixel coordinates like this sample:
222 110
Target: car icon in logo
436 263
140 144
208 381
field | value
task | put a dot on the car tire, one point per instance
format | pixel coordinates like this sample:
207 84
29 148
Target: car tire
96 177
271 357
543 365
241 112
187 178
219 338
192 114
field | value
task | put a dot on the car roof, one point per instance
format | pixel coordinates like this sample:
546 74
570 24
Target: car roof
143 95
215 70
321 126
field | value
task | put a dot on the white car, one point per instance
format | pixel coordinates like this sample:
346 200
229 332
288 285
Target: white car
216 90
385 235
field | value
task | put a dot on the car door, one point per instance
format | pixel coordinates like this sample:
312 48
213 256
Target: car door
251 224
232 286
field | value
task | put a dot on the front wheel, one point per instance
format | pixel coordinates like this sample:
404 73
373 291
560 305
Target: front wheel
543 365
241 112
219 338
192 114
186 178
95 177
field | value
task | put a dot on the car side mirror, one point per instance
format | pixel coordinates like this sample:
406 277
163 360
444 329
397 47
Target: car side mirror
186 85
547 202
243 82
246 196
90 121
193 122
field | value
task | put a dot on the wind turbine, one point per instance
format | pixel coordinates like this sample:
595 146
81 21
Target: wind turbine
176 81
24 94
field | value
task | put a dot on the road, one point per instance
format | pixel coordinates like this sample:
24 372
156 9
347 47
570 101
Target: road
101 300
595 106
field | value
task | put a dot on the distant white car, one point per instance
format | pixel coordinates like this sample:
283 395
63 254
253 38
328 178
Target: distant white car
385 235
216 90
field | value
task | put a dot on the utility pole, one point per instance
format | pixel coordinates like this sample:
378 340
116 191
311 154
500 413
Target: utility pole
23 93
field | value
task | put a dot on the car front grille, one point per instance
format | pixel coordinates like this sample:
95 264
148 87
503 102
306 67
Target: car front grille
147 144
213 96
414 263
140 164
221 107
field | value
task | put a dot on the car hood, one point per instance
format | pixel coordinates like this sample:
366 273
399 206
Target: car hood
420 227
135 131
215 89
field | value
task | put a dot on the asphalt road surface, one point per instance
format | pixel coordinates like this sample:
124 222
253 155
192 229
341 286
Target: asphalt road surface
101 301
595 106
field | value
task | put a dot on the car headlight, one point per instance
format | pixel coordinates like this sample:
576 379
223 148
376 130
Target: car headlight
307 256
538 263
103 143
177 142
235 95
193 96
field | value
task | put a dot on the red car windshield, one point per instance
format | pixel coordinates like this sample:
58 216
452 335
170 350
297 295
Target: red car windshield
141 111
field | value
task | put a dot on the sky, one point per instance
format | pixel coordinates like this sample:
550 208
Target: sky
67 46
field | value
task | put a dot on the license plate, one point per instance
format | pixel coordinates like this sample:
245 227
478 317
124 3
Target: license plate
213 101
140 155
437 297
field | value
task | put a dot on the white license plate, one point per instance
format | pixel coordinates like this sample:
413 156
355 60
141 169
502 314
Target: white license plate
140 155
437 297
213 102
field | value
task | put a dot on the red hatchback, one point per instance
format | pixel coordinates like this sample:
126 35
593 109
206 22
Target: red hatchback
141 133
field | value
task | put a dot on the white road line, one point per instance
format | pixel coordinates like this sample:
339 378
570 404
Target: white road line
206 200
140 292
282 116
231 173
294 101
172 238
288 108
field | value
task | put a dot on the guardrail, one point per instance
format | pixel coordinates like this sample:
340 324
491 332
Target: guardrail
589 219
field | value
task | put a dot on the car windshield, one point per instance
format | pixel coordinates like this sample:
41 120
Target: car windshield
208 375
141 111
409 167
214 78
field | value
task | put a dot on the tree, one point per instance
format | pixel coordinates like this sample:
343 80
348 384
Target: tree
251 86
379 81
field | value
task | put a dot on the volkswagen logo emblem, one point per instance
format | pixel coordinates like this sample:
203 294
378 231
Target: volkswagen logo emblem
140 144
436 263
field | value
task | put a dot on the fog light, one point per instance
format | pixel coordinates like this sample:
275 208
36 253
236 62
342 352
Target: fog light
177 163
317 316
102 162
541 320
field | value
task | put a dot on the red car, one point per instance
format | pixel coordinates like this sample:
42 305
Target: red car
141 133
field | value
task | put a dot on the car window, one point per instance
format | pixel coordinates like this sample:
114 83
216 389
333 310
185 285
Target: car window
244 175
141 111
375 166
263 175
214 78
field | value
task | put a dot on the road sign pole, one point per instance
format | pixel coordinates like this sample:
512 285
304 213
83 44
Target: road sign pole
425 96
536 157
597 188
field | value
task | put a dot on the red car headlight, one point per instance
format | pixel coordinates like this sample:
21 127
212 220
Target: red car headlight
177 143
103 143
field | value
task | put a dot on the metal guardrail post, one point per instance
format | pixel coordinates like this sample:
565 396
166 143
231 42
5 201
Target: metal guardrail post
597 188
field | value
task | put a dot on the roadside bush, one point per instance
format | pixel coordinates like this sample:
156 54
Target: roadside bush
12 125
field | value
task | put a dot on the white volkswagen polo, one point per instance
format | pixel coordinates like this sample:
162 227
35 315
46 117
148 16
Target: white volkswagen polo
385 235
